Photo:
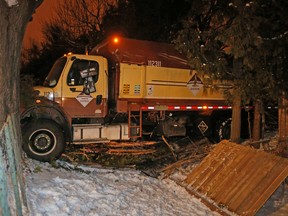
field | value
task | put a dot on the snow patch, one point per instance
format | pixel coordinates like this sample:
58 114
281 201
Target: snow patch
101 191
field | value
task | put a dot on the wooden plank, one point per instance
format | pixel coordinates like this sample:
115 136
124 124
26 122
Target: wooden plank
13 163
18 161
214 166
251 181
265 188
245 175
225 174
130 151
198 172
131 144
234 172
4 204
190 179
238 178
231 178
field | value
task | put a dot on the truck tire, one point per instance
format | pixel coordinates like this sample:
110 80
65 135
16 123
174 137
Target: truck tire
223 129
43 140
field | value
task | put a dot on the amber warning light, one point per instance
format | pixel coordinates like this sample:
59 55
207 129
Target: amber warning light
68 54
115 40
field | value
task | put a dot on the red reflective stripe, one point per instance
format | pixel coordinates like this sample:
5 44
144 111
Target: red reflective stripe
185 107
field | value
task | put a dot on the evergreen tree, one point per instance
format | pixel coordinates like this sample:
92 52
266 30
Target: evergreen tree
226 40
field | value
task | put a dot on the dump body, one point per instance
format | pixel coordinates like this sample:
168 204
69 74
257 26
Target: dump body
140 52
155 75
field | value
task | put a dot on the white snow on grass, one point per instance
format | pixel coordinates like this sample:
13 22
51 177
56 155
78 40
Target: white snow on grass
101 191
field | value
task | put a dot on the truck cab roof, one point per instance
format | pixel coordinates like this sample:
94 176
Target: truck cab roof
141 52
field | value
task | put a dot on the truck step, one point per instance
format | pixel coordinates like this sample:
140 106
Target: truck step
89 142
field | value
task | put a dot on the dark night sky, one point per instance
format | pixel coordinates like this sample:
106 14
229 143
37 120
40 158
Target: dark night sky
44 12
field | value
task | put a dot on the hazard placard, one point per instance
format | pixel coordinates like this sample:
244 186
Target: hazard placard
84 99
195 84
202 126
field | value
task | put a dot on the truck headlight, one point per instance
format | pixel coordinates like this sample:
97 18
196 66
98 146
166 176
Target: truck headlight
49 95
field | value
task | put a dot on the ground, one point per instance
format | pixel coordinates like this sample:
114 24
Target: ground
63 189
128 184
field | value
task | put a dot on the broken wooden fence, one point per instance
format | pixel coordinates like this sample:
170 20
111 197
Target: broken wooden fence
12 195
236 178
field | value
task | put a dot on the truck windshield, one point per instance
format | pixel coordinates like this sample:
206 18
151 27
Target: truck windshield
55 72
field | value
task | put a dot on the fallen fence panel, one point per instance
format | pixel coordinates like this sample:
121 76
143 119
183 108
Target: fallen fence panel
237 178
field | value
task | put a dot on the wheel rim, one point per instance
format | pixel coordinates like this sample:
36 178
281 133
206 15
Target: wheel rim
226 132
42 142
225 129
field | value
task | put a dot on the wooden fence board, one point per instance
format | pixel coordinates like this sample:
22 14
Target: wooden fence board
237 177
4 205
228 178
12 191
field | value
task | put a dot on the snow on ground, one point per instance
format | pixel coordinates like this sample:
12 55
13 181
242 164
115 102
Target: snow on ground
102 191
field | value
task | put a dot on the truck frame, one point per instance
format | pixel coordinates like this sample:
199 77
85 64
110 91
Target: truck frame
125 89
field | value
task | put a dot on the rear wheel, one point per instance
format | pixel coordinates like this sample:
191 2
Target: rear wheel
223 129
43 140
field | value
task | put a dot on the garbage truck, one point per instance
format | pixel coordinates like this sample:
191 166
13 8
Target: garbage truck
123 90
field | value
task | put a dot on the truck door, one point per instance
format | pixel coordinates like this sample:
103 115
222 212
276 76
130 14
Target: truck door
77 102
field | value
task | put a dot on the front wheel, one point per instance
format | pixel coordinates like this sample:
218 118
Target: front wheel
43 140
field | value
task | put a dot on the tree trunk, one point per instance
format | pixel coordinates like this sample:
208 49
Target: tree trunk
236 106
14 16
13 21
257 121
283 125
236 119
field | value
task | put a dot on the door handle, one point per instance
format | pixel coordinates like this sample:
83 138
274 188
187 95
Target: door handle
74 90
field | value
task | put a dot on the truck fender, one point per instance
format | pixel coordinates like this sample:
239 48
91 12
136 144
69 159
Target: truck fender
48 112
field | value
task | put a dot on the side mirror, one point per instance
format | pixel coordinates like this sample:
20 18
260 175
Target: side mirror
52 83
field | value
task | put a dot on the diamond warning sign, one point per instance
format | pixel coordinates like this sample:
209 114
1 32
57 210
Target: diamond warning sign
84 99
202 126
195 84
